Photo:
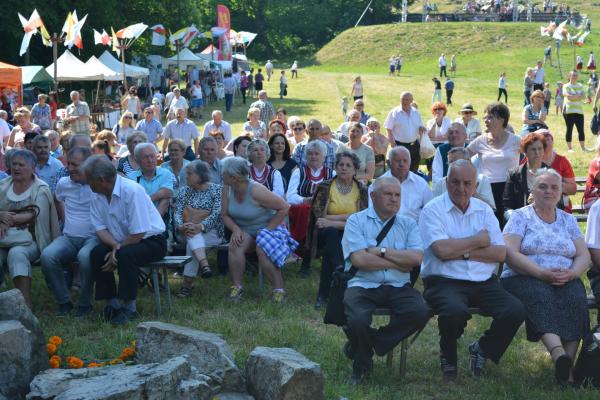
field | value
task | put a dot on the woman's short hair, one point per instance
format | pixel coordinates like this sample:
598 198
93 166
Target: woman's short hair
499 110
530 139
107 135
277 122
350 155
438 105
547 172
204 140
253 110
294 120
40 139
99 167
201 169
26 155
537 93
85 152
134 135
315 144
236 167
177 142
216 134
286 152
102 145
141 147
256 143
355 125
239 140
462 151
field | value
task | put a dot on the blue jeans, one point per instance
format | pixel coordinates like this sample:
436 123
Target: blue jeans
61 252
228 101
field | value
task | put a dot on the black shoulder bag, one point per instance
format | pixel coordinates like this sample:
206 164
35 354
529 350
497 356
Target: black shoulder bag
334 314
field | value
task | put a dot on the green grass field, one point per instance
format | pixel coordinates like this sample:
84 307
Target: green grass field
525 371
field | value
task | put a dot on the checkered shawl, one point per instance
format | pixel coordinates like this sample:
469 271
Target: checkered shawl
277 244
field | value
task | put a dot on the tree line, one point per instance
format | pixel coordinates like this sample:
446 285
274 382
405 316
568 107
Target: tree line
287 29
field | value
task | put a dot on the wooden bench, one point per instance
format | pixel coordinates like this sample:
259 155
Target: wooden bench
165 264
407 342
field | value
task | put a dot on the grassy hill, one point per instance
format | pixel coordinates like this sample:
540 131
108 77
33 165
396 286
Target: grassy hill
371 46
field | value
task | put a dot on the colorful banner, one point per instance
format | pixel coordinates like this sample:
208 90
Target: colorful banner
159 35
224 21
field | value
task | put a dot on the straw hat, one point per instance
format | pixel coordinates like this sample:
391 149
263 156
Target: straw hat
468 107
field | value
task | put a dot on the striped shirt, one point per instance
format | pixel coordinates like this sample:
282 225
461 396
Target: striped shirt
573 106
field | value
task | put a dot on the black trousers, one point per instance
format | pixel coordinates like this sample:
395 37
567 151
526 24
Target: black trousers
443 70
330 240
409 314
527 95
129 259
449 96
414 149
450 299
578 121
502 92
243 90
498 192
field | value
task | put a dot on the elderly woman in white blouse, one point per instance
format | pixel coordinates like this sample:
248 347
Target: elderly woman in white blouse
305 179
258 153
255 125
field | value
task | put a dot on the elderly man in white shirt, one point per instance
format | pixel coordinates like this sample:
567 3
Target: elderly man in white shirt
404 128
415 190
484 187
217 124
382 262
463 247
72 198
178 102
131 232
184 129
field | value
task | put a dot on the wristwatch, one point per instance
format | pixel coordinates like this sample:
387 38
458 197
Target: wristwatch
382 252
467 256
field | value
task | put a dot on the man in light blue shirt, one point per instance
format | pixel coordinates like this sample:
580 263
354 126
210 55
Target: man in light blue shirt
157 182
150 126
46 166
382 278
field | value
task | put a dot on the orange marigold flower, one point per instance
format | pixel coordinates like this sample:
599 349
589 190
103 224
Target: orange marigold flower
54 362
116 361
95 365
74 362
56 340
128 351
56 357
51 348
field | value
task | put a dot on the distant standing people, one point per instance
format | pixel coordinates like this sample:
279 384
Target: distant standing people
132 103
267 111
559 98
294 69
258 81
78 115
437 90
392 66
243 85
344 105
449 86
282 85
579 63
453 64
269 70
40 113
528 84
547 96
574 95
399 62
591 64
229 86
548 55
442 64
538 77
502 88
357 89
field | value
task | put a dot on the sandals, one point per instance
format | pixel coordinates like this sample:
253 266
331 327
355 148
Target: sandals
562 368
205 271
184 292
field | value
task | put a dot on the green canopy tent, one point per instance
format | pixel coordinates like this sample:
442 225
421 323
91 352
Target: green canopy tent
36 75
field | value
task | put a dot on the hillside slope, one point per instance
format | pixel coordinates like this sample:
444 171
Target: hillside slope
377 43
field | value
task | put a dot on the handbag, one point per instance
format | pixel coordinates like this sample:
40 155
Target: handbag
334 314
19 234
194 216
595 124
427 149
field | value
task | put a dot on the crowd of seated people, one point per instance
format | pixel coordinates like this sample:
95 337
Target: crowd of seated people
289 187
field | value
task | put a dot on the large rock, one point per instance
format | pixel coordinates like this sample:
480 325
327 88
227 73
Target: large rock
232 396
165 381
16 352
35 359
207 352
283 374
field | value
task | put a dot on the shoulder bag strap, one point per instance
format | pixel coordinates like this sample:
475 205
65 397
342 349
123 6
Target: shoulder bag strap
384 231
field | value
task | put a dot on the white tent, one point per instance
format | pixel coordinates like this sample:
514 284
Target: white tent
131 71
186 57
70 68
94 65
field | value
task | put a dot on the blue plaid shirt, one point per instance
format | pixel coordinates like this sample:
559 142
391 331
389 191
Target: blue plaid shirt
300 156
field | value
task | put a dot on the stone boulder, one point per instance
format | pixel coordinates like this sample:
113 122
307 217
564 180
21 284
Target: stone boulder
283 374
16 364
172 379
232 396
28 362
206 352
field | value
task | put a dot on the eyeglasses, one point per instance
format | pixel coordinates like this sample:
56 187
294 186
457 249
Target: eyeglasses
126 117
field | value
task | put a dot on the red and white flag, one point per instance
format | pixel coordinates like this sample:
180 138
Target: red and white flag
159 35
